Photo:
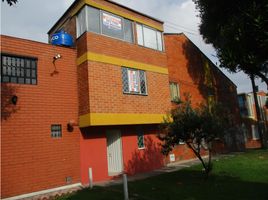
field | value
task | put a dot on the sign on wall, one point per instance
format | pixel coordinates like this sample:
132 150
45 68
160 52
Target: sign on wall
133 77
112 22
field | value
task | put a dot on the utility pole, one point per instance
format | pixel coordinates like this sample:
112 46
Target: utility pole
258 113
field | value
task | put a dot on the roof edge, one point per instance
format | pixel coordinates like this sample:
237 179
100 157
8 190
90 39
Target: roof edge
215 66
76 2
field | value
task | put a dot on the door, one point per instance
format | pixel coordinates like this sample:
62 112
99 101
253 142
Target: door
114 152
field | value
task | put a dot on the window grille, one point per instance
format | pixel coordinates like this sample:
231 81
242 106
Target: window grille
134 81
141 140
56 131
20 70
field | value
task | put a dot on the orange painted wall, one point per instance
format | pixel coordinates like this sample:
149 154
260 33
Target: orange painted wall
94 151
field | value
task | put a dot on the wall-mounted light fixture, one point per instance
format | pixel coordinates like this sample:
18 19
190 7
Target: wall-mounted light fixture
70 125
56 57
14 100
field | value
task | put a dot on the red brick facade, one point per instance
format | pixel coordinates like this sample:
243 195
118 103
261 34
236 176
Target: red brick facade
68 88
32 160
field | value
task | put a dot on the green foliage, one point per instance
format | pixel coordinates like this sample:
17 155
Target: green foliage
197 127
238 31
194 125
10 2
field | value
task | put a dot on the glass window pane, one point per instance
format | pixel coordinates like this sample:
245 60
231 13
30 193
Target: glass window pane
5 79
28 72
9 71
81 22
150 38
34 81
93 18
4 71
139 34
9 61
18 71
13 80
4 60
33 73
28 81
112 25
13 61
133 81
21 80
22 72
13 71
159 41
140 140
128 31
143 82
125 80
18 62
33 64
28 64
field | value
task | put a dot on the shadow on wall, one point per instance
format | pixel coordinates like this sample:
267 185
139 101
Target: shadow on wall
8 101
145 160
197 69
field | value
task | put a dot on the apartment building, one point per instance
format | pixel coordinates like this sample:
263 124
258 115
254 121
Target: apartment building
96 106
249 117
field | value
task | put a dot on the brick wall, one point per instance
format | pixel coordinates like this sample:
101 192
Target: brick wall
195 74
187 66
30 159
105 80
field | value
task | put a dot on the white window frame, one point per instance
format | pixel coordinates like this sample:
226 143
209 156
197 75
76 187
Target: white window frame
155 30
250 106
174 97
78 34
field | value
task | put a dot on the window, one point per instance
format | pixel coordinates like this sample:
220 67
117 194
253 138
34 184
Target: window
93 19
19 70
134 81
56 131
140 137
242 105
81 23
250 105
112 25
149 37
97 21
255 132
174 92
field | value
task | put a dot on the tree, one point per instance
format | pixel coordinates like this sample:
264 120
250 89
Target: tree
10 2
197 127
238 31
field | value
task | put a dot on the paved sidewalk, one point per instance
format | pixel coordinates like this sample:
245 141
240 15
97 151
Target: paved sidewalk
171 167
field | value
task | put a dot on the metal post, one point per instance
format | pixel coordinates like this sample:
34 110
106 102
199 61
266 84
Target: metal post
125 187
90 178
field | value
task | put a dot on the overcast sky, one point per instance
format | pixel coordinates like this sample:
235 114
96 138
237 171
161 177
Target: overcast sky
31 19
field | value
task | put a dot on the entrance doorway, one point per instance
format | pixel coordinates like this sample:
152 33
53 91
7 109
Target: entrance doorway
114 152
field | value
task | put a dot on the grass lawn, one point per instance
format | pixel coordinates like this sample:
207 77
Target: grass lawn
243 176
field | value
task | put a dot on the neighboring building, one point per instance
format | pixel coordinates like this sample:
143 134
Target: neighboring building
192 73
249 117
97 105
